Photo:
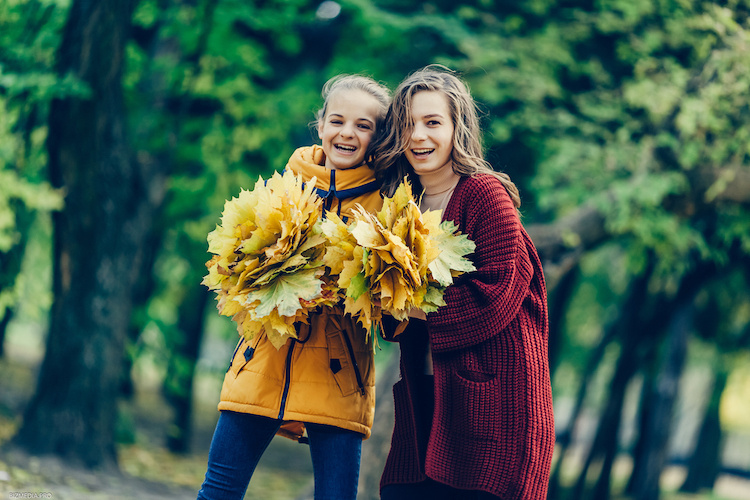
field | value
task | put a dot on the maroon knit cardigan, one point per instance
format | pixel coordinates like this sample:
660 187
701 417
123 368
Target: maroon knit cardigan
492 424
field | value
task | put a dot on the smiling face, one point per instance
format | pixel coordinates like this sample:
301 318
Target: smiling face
347 128
431 142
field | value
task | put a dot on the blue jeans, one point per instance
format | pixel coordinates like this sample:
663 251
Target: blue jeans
240 440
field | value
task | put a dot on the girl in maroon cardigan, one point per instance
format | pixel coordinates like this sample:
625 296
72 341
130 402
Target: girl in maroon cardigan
474 404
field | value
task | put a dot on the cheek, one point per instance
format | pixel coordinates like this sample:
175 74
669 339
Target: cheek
365 139
448 141
327 137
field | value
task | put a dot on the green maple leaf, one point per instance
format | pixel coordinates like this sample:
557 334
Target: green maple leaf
285 292
433 299
357 286
452 257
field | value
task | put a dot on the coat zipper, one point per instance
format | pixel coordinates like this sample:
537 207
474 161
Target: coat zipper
354 362
231 360
287 378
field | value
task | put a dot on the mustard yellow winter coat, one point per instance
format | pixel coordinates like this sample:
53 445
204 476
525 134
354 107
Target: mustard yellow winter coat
327 376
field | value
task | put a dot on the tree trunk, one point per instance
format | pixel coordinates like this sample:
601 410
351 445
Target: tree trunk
97 243
673 314
178 384
644 415
559 298
705 463
654 459
4 328
565 435
605 444
143 289
179 381
622 328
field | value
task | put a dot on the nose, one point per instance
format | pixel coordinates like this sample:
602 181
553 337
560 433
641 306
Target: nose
418 132
347 130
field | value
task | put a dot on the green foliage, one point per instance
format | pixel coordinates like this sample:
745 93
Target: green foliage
19 192
27 85
615 103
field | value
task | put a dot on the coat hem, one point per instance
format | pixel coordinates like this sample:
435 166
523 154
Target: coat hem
291 416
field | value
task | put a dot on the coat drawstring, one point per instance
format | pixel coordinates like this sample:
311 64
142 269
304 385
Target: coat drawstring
329 196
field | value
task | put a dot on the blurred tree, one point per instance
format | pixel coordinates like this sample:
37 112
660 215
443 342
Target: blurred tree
731 333
98 243
630 334
158 89
704 464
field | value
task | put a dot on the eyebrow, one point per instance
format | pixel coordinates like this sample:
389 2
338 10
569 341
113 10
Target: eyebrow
433 115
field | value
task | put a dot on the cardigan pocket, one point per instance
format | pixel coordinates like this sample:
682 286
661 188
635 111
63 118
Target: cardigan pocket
476 405
475 376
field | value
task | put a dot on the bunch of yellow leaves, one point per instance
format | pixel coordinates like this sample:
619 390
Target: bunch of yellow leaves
395 260
267 270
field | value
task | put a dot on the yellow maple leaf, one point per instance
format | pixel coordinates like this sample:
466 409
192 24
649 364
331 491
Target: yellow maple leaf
268 267
392 265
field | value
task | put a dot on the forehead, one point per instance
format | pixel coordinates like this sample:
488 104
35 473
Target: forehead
429 102
353 103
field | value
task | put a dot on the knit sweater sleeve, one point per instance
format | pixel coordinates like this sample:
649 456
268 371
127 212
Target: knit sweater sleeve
480 304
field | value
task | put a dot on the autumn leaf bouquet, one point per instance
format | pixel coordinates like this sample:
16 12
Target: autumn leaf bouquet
395 260
267 269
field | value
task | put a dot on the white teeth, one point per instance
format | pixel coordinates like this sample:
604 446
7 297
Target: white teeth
422 151
345 147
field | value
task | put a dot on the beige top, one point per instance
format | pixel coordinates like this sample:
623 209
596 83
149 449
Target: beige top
435 201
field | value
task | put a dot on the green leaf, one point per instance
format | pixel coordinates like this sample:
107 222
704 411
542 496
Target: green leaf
285 293
433 299
453 249
358 286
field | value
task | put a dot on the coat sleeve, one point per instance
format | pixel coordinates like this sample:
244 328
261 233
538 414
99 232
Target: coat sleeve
481 304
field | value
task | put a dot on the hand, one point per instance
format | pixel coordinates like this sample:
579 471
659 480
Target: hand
417 313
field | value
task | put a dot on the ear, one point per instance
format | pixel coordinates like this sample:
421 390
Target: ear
320 129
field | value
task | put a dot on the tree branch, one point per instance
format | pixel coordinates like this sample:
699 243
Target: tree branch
562 242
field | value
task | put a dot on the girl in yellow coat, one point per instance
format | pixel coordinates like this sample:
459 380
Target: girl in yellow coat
319 388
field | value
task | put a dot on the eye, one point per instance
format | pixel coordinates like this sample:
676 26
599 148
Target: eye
364 126
433 123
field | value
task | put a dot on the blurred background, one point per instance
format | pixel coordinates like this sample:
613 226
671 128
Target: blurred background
125 125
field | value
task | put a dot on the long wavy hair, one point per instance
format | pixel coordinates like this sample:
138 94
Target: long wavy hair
389 160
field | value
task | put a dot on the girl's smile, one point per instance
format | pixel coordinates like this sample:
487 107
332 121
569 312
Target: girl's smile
347 128
431 144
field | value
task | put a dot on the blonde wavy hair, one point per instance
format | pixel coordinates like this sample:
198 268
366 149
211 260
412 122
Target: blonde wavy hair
389 161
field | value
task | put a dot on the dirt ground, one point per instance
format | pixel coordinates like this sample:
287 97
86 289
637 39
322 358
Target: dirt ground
49 477
52 478
146 469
